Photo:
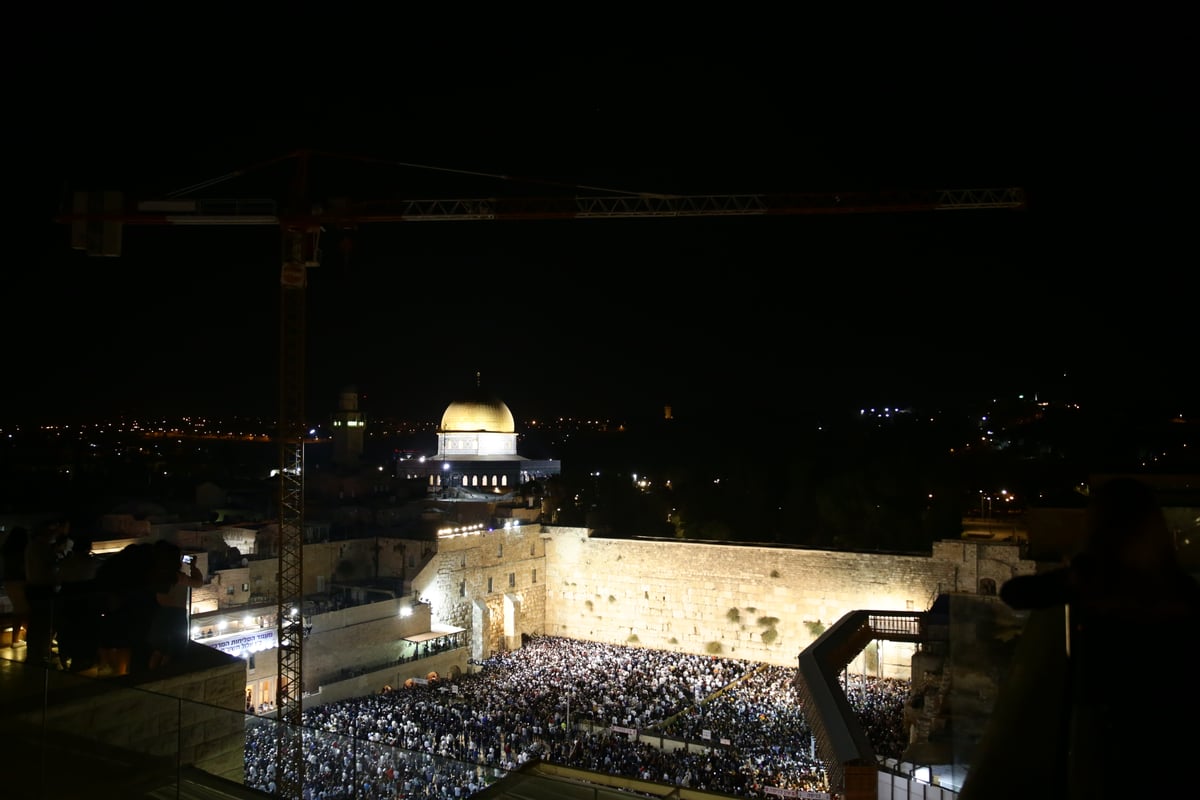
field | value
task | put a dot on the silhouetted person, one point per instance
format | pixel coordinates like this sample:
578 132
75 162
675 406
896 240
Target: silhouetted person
1122 712
169 633
14 579
41 588
77 615
130 582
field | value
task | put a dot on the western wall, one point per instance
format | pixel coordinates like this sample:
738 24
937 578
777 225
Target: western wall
759 603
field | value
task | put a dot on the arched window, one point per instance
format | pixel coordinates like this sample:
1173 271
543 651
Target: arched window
987 586
504 480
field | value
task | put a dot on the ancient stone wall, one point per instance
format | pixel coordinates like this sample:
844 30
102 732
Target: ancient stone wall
491 582
740 601
758 603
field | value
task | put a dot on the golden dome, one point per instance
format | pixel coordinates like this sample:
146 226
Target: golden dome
478 414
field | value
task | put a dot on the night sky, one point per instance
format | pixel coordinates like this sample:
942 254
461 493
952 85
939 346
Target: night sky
1081 294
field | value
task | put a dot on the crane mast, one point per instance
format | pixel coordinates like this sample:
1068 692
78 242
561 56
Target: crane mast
97 219
290 580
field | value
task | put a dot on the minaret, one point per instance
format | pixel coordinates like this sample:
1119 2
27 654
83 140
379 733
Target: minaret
349 427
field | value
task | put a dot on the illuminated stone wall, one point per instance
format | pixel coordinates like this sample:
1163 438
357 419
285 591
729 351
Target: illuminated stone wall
758 603
491 582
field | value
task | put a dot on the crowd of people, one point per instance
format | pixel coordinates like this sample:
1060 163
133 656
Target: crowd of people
702 722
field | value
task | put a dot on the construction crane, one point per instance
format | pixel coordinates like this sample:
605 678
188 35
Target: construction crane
97 221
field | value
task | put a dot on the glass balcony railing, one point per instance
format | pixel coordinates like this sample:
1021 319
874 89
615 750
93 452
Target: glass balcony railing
72 736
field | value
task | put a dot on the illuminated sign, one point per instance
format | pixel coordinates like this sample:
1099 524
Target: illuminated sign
245 643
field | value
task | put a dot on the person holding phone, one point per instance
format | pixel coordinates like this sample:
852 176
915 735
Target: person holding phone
169 634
